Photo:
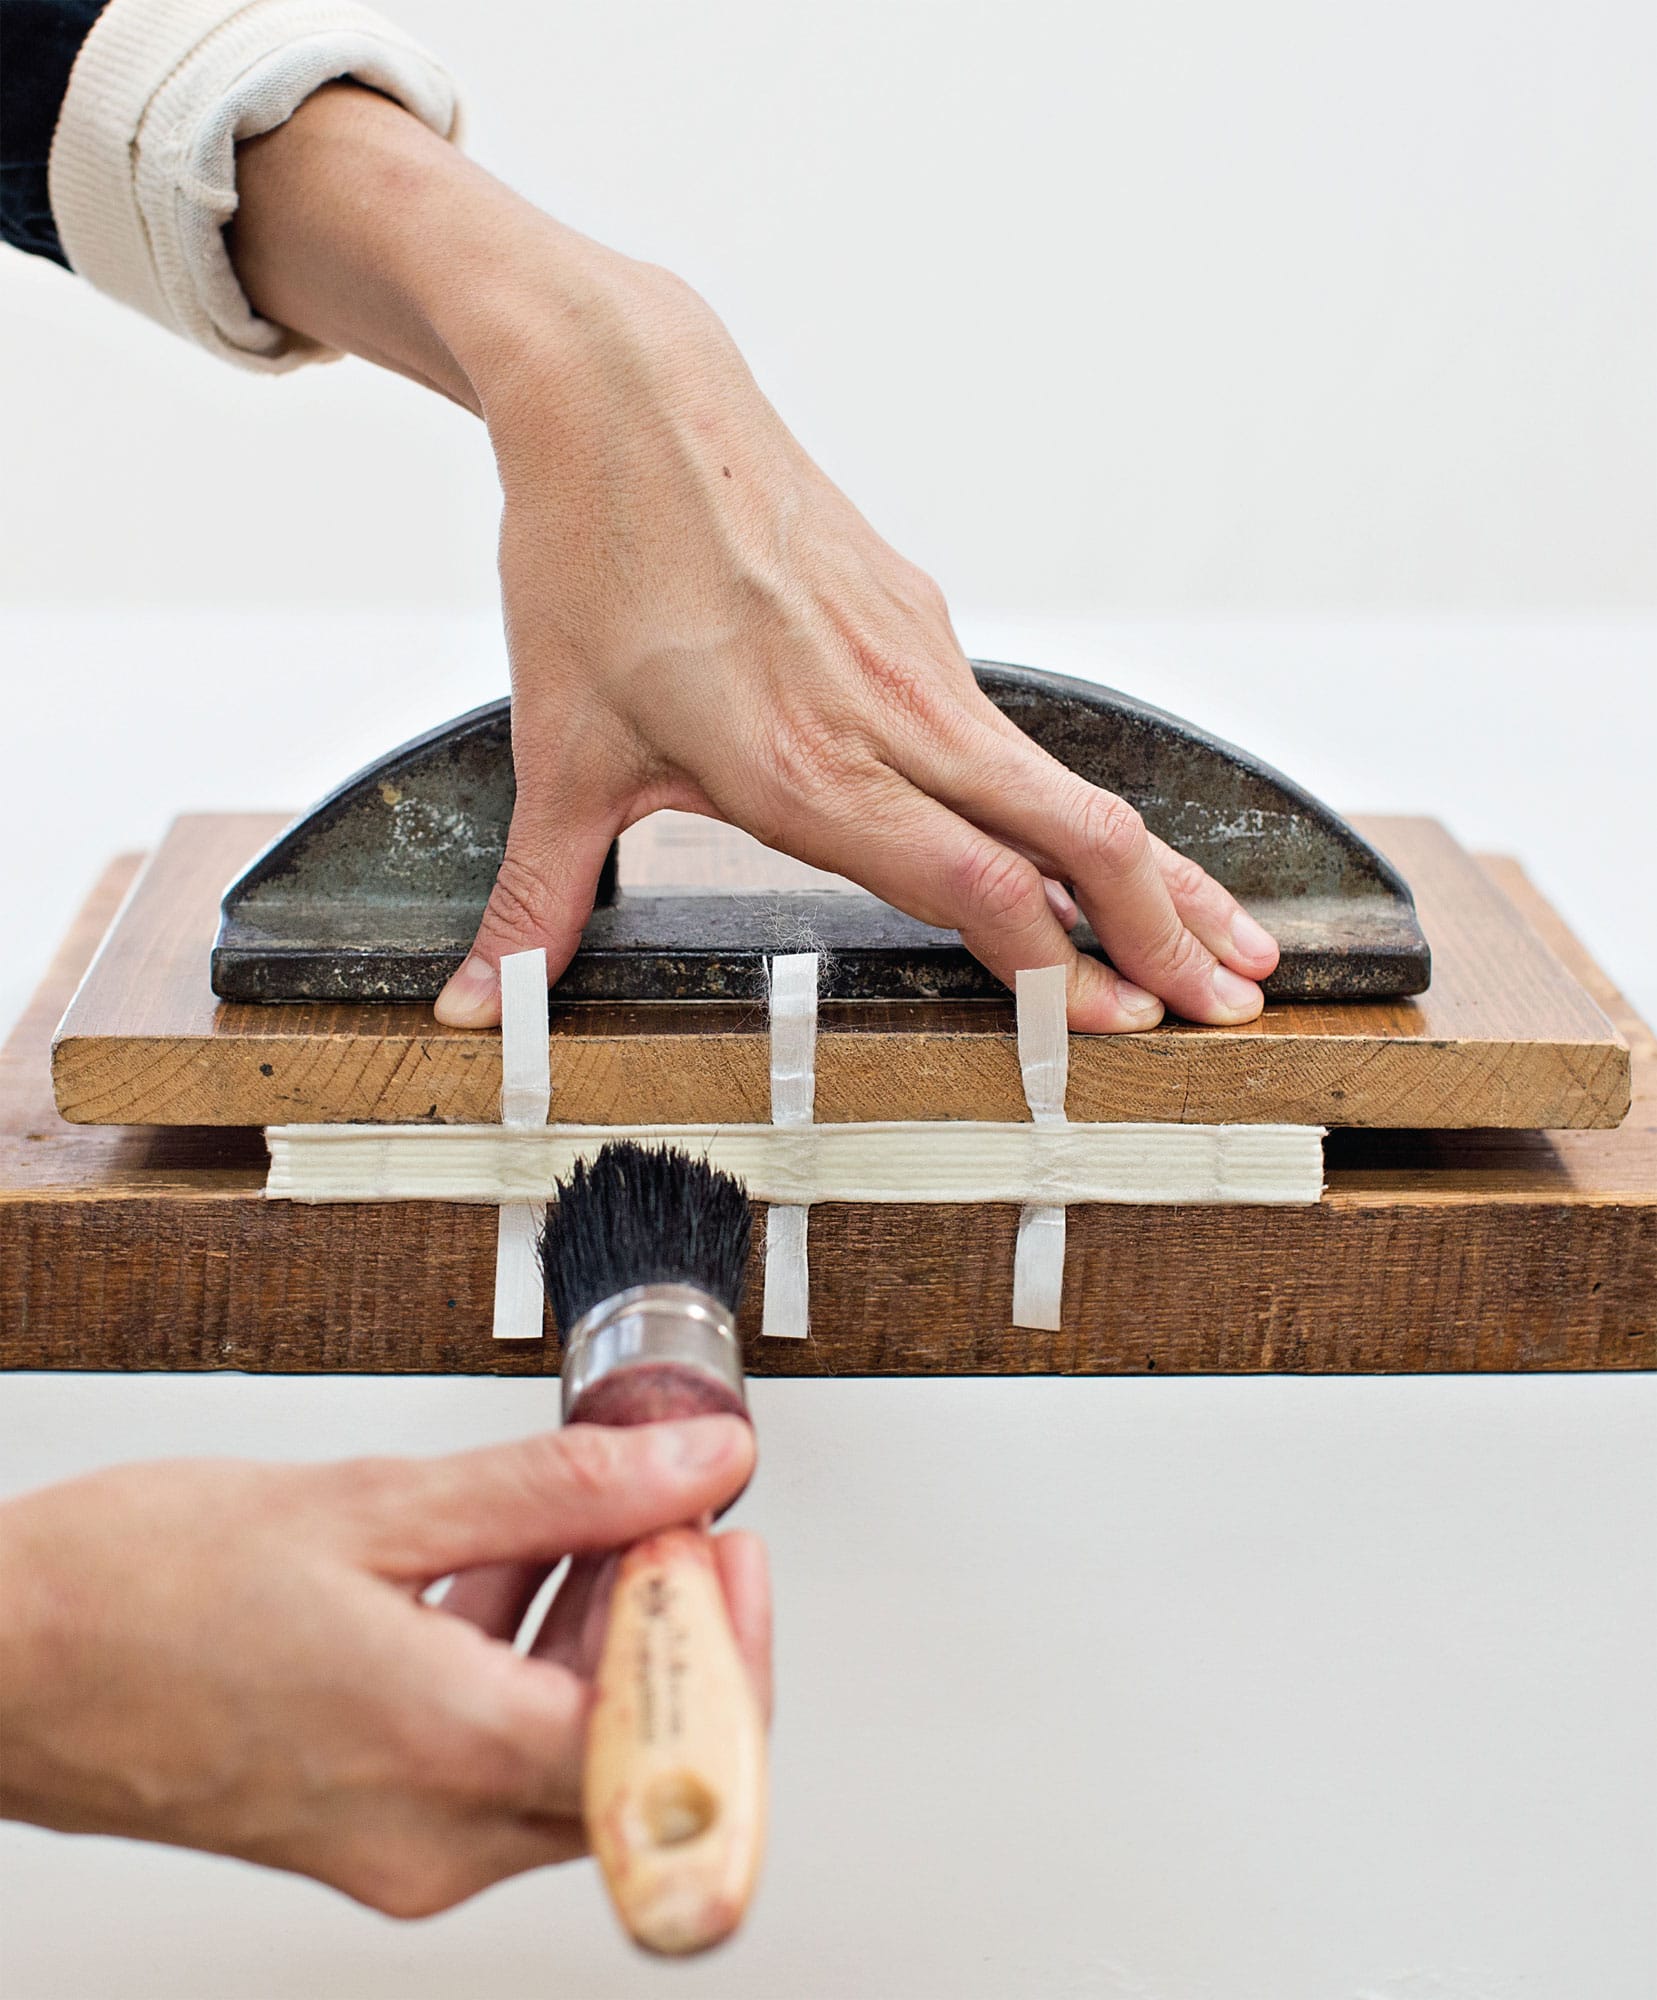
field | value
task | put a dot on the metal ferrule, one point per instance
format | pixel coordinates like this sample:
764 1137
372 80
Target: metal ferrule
652 1323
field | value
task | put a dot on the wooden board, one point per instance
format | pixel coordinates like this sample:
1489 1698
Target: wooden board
1506 1037
155 1248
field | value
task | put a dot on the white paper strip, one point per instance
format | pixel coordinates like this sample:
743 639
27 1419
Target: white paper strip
1043 1042
1044 1062
786 1313
526 1098
1038 1269
519 1287
526 1042
955 1160
794 1037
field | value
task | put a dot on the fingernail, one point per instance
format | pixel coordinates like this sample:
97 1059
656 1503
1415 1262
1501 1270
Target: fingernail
1251 939
471 996
699 1443
1137 1004
1235 994
1061 903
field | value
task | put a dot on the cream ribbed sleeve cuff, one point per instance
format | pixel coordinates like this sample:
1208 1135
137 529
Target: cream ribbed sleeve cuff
143 167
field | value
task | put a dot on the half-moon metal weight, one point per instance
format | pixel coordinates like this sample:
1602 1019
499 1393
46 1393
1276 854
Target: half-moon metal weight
376 892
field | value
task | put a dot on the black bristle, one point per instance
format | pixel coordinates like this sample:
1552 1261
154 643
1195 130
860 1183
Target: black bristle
638 1215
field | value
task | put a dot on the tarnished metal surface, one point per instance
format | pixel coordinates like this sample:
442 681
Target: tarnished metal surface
376 892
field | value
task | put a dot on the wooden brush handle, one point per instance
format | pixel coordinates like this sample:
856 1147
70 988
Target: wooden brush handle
674 1790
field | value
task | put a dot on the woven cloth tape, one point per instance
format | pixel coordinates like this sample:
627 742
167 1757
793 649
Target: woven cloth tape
1044 1063
526 1098
793 991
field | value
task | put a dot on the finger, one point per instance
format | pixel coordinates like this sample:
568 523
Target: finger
463 1719
495 1596
1213 914
745 1574
572 1633
1061 903
916 854
497 1849
545 1710
420 1870
580 1488
1099 845
542 897
954 748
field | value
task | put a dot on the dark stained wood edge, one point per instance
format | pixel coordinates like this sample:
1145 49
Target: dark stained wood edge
406 1289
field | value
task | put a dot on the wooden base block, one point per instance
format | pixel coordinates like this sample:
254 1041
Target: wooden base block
156 1248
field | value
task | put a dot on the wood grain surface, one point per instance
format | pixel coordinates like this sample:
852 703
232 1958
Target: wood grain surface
155 1248
1506 1037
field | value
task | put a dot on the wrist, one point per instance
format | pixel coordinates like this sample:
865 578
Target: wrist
360 228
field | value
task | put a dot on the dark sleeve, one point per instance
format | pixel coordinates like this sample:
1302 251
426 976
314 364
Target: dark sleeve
39 41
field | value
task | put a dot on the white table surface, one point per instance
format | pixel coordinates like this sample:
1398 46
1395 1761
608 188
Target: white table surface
1285 1689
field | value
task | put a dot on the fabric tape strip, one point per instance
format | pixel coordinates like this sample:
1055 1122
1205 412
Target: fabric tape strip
1044 1064
792 986
526 1099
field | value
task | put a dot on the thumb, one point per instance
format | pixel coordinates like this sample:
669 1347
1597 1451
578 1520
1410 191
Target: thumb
543 895
563 1492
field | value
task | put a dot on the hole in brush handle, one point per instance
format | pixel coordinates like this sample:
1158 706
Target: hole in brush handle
678 1808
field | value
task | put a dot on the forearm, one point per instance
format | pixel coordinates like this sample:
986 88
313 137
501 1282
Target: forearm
362 230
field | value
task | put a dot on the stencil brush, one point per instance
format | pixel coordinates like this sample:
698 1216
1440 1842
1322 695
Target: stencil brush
645 1255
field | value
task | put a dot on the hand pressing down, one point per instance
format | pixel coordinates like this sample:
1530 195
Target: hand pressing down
697 617
236 1657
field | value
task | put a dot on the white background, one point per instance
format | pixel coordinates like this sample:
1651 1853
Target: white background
1294 366
1188 307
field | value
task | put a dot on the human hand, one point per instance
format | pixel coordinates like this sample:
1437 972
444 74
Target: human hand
236 1657
697 617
